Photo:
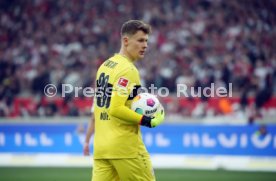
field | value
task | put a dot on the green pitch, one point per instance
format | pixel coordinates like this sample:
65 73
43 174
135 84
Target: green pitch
84 174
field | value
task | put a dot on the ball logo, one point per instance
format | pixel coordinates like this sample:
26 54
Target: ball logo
150 111
150 102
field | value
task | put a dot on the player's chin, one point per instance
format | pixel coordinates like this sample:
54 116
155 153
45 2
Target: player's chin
141 55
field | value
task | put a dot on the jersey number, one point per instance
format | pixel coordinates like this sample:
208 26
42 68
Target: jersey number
104 90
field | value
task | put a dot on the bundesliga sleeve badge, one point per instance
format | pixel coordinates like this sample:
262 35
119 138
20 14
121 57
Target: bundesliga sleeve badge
122 82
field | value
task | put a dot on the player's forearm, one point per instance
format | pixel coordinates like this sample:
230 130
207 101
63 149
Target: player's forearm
88 136
125 114
118 109
90 131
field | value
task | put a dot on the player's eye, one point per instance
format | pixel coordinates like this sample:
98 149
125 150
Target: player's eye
143 40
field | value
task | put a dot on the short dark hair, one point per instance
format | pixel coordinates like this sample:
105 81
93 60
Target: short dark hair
132 26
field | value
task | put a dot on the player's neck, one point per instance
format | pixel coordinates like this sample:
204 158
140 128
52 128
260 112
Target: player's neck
126 55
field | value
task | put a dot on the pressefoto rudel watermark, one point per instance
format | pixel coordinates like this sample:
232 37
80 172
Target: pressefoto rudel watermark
212 91
182 90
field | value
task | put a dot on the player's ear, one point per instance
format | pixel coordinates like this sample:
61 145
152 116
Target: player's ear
125 40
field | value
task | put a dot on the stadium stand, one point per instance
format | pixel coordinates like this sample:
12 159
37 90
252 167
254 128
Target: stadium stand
194 42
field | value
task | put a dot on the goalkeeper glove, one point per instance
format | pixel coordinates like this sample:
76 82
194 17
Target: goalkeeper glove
158 118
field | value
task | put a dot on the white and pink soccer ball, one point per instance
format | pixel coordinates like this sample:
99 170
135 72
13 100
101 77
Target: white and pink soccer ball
146 104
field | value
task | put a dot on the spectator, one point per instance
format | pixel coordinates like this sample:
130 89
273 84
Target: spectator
63 41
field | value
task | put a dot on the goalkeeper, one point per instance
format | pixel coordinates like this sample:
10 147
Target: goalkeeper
119 152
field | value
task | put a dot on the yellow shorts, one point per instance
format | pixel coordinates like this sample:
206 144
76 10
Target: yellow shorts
128 169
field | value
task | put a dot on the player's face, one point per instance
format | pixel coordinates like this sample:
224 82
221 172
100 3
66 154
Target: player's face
136 45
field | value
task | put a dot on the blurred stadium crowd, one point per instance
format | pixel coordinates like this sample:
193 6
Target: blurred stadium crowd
194 42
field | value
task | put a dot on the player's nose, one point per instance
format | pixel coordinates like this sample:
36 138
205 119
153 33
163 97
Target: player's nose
145 45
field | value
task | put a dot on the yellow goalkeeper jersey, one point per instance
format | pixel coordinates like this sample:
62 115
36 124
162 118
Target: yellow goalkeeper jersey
117 129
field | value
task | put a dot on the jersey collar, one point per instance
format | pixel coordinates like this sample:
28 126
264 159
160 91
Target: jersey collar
124 57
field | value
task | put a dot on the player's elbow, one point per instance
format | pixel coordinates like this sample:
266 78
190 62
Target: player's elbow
112 111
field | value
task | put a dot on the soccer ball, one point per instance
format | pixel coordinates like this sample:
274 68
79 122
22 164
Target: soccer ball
146 104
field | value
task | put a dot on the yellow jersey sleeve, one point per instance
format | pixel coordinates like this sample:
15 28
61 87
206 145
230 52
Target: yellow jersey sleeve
123 88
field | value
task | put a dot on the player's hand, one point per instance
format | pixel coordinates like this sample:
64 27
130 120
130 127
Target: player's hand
86 150
159 117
